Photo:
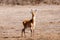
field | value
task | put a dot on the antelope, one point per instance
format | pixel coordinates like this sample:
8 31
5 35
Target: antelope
29 24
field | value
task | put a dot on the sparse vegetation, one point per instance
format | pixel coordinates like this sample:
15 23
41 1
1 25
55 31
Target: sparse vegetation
28 2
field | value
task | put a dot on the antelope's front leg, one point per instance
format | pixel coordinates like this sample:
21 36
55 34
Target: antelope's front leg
32 29
32 32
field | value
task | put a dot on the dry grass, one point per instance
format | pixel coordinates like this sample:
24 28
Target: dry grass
47 22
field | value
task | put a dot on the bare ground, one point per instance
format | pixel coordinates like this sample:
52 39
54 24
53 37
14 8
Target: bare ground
47 22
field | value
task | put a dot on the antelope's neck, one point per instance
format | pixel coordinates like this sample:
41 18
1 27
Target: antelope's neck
34 20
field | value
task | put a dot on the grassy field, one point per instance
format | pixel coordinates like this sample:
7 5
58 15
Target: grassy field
47 22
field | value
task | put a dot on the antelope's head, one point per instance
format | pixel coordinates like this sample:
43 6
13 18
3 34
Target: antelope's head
33 12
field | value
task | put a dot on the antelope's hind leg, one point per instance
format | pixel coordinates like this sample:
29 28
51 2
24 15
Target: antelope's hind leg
23 32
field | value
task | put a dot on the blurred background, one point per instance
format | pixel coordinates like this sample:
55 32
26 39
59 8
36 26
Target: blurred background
29 2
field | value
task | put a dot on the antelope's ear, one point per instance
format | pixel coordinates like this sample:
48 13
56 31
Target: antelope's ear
35 10
31 11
